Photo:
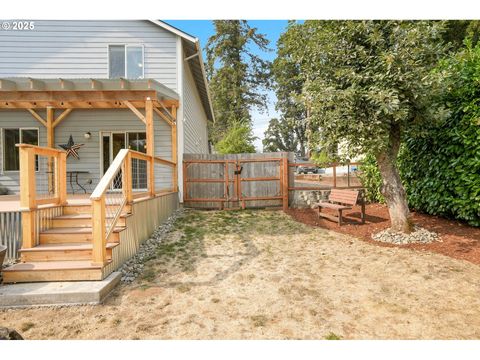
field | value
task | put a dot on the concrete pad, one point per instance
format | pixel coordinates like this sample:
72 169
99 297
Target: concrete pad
57 293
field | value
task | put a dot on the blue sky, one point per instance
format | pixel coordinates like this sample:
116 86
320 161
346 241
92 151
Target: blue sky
272 29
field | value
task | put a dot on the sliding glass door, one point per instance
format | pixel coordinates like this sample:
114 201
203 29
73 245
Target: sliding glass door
113 142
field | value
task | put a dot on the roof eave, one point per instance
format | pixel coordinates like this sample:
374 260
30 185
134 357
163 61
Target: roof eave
198 48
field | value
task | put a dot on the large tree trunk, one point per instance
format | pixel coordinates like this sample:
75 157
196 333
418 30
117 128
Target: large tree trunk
392 187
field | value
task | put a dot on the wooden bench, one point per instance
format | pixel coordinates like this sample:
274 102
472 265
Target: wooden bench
340 200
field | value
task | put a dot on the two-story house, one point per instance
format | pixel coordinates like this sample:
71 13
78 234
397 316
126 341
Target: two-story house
103 110
82 55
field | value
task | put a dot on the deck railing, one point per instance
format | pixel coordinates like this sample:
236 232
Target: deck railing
42 176
42 182
131 175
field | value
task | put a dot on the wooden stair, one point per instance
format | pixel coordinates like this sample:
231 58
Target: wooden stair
64 252
52 271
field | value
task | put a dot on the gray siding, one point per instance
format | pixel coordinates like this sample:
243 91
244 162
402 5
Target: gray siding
16 119
77 124
195 120
79 49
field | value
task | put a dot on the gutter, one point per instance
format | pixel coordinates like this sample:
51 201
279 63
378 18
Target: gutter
202 66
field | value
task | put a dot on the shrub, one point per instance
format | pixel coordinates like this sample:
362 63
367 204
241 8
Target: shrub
441 168
371 179
238 139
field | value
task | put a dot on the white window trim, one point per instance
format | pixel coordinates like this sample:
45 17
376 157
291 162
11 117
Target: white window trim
125 55
3 145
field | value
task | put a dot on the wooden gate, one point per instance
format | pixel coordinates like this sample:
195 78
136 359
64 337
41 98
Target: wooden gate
236 181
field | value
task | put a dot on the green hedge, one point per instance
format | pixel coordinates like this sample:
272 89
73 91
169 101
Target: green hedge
441 169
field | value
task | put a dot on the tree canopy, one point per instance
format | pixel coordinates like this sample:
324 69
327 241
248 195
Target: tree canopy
238 139
288 133
370 83
237 75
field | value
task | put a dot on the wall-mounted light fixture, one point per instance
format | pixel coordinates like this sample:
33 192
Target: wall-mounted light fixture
87 135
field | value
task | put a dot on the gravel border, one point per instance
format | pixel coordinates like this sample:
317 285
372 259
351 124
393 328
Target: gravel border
133 267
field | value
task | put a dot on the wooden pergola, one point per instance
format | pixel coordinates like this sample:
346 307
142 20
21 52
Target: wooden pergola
70 94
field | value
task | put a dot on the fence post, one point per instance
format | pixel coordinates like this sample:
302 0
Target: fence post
348 175
99 252
334 175
185 173
285 183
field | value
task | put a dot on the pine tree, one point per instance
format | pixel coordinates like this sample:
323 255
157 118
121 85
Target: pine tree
238 77
288 84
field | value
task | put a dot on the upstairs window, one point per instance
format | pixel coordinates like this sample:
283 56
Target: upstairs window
125 61
11 160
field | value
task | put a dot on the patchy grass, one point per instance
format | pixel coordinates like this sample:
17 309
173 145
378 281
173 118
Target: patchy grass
332 336
259 320
27 326
259 274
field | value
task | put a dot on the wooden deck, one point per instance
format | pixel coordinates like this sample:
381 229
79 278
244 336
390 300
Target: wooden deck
64 249
12 202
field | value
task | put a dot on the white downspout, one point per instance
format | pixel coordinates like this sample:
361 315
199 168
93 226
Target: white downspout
180 118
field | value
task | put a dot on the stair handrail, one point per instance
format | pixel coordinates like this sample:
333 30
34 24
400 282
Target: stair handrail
101 230
106 179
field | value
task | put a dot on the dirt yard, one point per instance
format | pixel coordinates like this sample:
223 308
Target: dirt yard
262 275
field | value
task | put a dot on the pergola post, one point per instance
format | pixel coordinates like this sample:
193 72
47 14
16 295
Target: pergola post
50 144
150 144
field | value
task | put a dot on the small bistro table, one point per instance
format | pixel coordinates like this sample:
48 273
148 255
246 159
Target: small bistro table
75 173
71 174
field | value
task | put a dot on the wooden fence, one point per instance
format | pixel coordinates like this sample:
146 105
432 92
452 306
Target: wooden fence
256 180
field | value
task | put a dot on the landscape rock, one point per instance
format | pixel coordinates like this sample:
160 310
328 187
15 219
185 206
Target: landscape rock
417 236
9 334
134 266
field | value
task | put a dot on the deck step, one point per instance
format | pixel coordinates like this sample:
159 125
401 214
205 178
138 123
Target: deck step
87 209
75 235
52 271
62 252
82 220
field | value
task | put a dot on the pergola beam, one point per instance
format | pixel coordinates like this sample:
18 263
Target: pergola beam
61 117
36 84
66 84
95 84
136 111
168 112
7 85
77 95
79 104
163 116
37 117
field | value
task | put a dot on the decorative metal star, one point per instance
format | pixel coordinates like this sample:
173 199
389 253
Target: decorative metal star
71 148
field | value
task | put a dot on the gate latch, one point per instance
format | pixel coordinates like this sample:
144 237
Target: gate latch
238 172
